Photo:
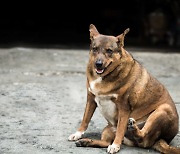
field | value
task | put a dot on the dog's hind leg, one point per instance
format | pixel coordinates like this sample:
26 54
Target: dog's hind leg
157 123
146 136
107 138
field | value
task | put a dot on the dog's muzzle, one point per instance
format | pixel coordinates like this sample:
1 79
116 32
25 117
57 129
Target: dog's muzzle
99 66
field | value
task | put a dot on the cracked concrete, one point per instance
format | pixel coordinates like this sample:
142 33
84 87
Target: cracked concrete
43 95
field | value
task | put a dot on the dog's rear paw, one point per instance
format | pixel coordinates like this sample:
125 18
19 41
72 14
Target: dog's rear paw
83 142
76 136
131 124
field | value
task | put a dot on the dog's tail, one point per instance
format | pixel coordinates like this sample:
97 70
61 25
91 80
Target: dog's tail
163 147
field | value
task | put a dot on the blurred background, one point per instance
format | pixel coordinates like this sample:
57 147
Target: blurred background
151 22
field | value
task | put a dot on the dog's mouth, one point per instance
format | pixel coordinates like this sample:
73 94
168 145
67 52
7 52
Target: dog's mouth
99 71
100 68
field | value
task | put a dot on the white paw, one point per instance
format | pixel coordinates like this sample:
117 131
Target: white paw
76 136
113 148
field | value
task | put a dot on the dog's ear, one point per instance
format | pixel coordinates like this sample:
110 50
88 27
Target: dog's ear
93 31
121 37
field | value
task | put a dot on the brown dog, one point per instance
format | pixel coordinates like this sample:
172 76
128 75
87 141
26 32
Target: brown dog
138 108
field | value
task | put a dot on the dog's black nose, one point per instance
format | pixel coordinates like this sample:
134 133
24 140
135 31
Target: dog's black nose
99 63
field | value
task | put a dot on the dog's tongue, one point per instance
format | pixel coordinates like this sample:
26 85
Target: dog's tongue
99 71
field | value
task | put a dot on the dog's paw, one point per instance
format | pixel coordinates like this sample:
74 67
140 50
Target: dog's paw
131 123
83 142
76 136
114 148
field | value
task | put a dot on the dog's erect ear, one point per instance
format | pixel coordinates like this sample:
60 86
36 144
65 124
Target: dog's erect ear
93 31
121 37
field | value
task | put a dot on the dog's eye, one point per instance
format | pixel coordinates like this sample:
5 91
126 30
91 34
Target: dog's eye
109 51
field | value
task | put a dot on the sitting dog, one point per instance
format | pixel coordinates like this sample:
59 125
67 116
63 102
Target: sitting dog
138 108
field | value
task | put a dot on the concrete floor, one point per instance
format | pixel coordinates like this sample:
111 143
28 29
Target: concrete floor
43 95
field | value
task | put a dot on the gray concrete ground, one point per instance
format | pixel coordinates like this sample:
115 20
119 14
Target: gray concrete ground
43 96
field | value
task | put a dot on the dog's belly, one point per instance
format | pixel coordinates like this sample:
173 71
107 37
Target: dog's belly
107 108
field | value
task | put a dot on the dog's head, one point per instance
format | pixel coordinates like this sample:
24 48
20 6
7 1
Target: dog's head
105 51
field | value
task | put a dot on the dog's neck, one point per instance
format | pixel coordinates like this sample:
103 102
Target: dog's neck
121 69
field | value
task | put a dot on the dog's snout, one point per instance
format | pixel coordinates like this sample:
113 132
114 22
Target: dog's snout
99 63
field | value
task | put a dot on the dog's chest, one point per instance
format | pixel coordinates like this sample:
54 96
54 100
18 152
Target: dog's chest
107 107
104 102
93 86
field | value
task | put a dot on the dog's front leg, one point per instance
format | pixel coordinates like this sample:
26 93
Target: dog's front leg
89 111
123 116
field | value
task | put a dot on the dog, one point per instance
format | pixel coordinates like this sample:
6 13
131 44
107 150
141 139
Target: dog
138 108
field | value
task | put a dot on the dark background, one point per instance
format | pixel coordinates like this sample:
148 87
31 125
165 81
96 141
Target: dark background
151 23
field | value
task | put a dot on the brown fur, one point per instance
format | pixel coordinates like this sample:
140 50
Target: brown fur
137 96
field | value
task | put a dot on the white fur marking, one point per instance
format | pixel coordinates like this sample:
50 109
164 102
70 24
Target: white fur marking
75 136
107 107
93 84
113 148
